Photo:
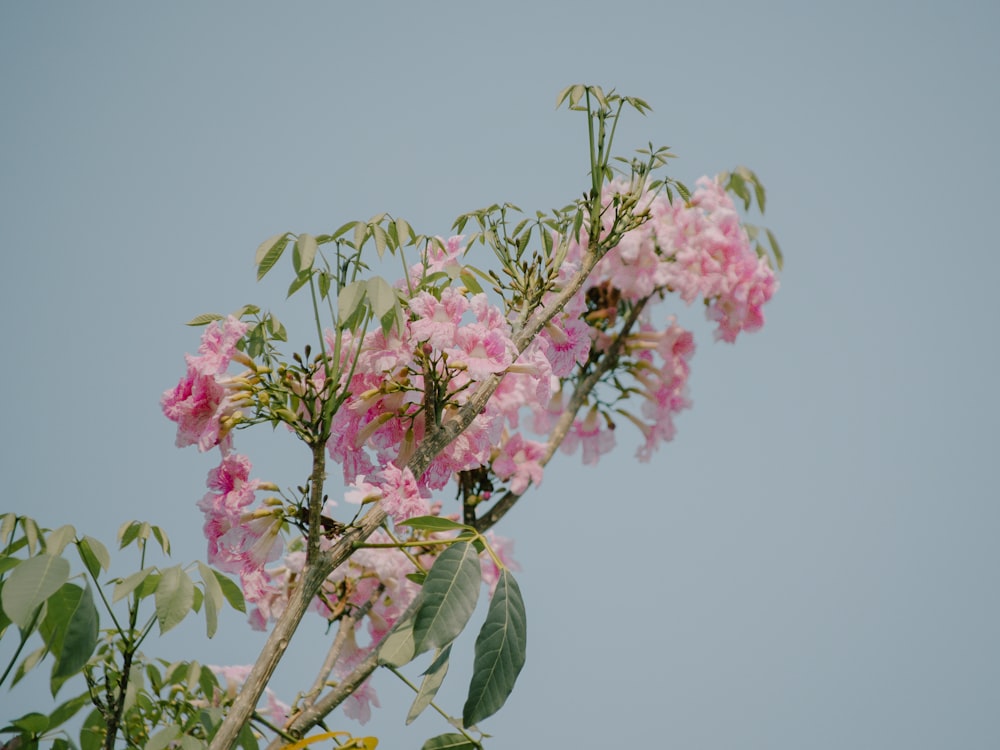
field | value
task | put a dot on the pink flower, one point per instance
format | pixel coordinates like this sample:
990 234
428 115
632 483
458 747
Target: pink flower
218 345
483 351
396 488
232 677
595 440
201 400
444 258
569 344
713 259
358 704
382 353
437 320
278 711
223 508
520 461
363 491
401 497
198 404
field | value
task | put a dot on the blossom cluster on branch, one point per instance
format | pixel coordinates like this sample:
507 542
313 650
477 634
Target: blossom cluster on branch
404 381
516 338
433 354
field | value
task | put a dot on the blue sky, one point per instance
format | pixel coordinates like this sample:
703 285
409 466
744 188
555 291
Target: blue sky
812 562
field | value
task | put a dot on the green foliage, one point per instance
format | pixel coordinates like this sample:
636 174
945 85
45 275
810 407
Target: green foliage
449 597
29 585
399 647
433 677
450 741
500 652
744 184
132 697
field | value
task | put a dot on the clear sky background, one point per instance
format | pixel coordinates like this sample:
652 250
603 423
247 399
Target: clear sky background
812 563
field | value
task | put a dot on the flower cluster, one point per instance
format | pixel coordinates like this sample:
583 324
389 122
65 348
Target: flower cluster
404 382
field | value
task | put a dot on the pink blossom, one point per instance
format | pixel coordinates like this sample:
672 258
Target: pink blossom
401 497
483 351
713 259
198 404
201 400
218 345
569 344
488 315
437 320
383 352
277 711
595 438
544 418
223 508
396 488
439 258
528 383
520 461
363 491
358 704
232 677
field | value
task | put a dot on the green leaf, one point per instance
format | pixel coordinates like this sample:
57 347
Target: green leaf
449 597
500 652
306 247
398 648
298 282
213 598
57 540
381 239
382 296
93 731
163 738
94 555
68 710
30 584
343 230
350 299
269 252
80 640
432 523
174 597
245 739
126 586
324 284
7 525
433 678
128 532
58 612
33 723
360 232
470 281
204 319
450 741
162 539
231 591
404 232
31 533
779 258
29 663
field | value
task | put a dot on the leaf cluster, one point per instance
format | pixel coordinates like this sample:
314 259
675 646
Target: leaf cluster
41 598
443 608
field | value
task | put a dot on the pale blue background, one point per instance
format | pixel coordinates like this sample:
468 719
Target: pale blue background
811 564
